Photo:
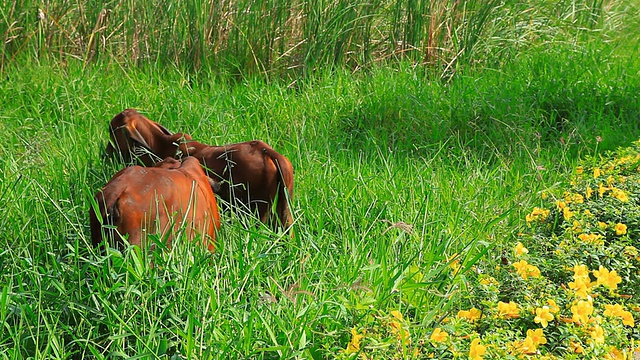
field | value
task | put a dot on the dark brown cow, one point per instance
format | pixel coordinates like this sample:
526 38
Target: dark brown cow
157 200
250 172
134 136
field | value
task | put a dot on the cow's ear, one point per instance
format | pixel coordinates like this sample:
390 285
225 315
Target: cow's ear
180 138
134 134
163 129
186 149
215 185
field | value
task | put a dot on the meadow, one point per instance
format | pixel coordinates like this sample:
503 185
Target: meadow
409 155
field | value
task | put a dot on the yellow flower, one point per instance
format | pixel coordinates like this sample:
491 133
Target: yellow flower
537 214
438 336
597 334
580 272
582 310
396 314
567 213
582 286
613 310
616 310
521 267
553 307
602 189
627 319
579 170
543 316
472 314
630 251
576 347
528 346
615 354
525 270
397 326
620 195
454 263
533 271
540 212
602 225
560 204
577 198
537 336
508 310
354 345
620 229
476 350
596 173
588 192
520 249
595 239
610 279
488 280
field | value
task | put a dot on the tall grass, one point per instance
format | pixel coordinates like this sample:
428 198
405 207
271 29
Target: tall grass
289 38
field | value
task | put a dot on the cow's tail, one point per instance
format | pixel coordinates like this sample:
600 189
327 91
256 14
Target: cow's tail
285 190
102 218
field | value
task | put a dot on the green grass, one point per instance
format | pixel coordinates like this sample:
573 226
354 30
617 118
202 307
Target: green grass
458 161
398 166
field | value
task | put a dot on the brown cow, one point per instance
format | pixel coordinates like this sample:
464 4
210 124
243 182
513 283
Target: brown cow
134 136
157 200
250 172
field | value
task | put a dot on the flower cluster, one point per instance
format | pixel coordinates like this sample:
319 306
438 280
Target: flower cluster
570 287
538 214
567 288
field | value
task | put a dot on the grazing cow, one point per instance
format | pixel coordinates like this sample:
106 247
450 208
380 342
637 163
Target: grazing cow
134 136
163 199
249 172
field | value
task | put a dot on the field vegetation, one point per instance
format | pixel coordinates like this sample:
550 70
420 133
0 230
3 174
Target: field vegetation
423 136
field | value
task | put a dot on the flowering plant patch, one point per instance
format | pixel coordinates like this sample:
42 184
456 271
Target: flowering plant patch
568 287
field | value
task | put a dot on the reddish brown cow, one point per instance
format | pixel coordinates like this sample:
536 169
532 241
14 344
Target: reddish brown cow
250 172
134 136
157 200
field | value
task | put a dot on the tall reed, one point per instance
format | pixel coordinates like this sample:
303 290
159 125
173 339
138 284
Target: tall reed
280 37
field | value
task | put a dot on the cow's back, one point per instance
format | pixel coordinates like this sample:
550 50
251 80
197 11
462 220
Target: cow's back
264 174
159 200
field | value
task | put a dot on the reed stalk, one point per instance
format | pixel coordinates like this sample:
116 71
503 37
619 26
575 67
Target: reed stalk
289 37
